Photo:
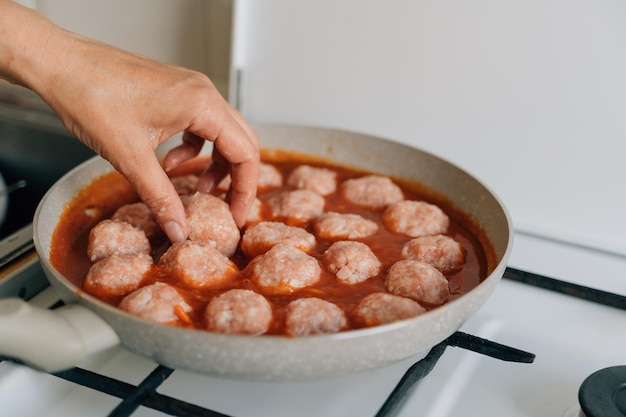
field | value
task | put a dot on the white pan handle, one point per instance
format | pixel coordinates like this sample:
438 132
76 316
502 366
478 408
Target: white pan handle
51 340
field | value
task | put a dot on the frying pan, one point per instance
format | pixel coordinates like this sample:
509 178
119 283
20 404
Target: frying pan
86 324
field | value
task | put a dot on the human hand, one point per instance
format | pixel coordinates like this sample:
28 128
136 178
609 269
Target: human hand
124 105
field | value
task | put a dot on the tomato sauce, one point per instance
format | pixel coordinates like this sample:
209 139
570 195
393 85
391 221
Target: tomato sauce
103 196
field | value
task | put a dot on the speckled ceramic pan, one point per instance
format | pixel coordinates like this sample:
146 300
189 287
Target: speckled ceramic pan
279 358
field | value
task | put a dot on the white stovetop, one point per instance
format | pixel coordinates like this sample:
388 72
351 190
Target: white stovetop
571 338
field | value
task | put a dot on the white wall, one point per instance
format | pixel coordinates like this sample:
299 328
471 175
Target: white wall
529 96
190 33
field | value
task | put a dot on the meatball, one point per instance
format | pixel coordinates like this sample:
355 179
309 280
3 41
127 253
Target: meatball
415 219
283 269
320 180
298 206
158 302
381 308
333 226
261 237
210 220
440 251
308 316
114 237
372 191
198 265
140 216
117 274
269 177
255 215
238 312
352 262
418 280
185 184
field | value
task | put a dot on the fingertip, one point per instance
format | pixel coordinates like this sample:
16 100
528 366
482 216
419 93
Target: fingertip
240 207
174 231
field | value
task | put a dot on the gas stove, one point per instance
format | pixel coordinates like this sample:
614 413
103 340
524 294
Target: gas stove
557 317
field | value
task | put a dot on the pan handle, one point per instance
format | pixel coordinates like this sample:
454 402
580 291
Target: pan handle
51 340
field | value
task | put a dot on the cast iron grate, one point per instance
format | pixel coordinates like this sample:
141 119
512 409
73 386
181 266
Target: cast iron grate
145 393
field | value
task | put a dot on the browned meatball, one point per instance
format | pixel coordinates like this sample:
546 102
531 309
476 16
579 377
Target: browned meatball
210 220
308 316
111 237
333 226
372 191
261 237
295 207
320 180
415 218
283 269
198 265
381 308
440 251
352 262
140 216
418 280
117 274
158 302
238 312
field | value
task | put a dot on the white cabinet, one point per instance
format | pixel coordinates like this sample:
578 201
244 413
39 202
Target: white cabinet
528 96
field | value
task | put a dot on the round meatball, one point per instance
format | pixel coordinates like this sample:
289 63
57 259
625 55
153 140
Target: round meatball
381 308
269 177
415 219
440 251
238 312
198 265
261 237
309 316
117 274
255 215
140 216
320 180
210 220
284 269
372 191
352 262
298 206
158 302
333 226
185 184
111 237
418 280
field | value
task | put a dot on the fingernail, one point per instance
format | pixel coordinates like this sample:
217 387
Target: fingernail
174 232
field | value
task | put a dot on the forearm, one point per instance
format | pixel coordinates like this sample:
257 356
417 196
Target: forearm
31 48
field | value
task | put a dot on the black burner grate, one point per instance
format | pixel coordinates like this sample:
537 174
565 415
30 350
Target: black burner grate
145 393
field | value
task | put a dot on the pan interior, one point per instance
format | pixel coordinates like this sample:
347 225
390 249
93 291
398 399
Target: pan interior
282 359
